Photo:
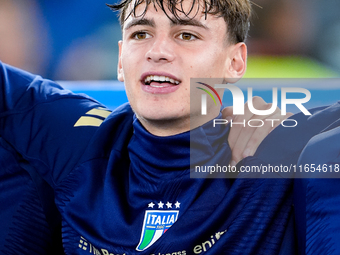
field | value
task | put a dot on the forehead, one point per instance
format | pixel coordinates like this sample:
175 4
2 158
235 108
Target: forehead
182 10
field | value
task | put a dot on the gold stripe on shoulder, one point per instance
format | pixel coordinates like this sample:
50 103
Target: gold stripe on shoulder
95 120
99 112
88 121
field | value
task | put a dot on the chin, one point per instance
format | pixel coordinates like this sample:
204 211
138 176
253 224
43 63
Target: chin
160 110
162 116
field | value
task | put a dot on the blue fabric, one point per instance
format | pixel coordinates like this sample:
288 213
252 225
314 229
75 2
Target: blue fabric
320 196
316 194
30 222
112 180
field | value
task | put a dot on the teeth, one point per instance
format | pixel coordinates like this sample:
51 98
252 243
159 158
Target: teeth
157 78
157 86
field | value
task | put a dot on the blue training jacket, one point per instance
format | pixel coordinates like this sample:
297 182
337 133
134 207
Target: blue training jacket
30 222
313 148
121 190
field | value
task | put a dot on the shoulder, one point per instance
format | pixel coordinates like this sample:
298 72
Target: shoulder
285 144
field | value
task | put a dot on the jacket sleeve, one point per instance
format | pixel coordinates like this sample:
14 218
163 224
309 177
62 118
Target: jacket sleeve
47 125
315 140
30 222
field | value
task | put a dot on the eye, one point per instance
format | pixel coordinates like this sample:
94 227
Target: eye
140 35
187 36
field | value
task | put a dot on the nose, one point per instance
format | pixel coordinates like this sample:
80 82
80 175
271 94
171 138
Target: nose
161 50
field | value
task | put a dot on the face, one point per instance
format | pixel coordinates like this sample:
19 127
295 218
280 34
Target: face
158 57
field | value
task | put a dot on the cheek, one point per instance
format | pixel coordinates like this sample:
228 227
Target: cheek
126 66
130 80
129 60
208 65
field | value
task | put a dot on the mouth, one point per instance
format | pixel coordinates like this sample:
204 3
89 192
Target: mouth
159 81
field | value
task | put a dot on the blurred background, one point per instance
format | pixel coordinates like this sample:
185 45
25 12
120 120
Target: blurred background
77 40
60 39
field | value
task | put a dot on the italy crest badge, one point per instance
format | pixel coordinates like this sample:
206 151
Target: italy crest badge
156 223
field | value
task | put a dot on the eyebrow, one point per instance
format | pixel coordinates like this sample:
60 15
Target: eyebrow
187 22
174 22
141 22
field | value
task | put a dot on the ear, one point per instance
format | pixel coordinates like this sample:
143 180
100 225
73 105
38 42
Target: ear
237 61
120 73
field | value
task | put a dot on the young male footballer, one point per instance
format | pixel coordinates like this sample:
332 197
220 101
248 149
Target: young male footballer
121 179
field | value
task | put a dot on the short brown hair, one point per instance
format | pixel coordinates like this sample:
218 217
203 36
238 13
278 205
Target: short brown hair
236 13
